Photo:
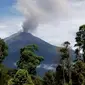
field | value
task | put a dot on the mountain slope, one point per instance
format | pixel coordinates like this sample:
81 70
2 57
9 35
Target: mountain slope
48 51
21 39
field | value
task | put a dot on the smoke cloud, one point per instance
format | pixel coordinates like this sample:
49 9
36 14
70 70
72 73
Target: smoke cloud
41 11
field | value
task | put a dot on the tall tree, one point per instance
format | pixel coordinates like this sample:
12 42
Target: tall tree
29 60
66 44
63 60
3 70
3 50
80 40
66 60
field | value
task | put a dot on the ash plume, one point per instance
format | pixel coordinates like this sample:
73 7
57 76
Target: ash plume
41 11
30 24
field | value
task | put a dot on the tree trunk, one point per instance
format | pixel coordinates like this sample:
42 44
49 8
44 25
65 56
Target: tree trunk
69 67
63 73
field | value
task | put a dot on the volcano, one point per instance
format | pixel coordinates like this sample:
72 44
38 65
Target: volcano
18 40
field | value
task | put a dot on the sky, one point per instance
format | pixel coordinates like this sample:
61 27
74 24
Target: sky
10 18
55 32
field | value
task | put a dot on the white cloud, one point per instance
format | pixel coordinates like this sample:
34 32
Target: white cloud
56 34
3 26
48 66
59 31
9 26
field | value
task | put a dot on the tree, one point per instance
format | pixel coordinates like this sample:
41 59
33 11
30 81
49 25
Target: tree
63 62
49 78
66 44
66 60
3 70
78 55
11 72
3 50
60 75
29 60
37 80
78 73
21 78
4 77
80 40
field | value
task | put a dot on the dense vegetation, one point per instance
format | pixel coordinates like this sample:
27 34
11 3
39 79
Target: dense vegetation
68 72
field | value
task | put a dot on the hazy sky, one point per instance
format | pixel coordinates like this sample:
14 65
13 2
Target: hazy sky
55 31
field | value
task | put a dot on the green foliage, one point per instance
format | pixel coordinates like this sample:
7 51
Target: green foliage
65 61
32 48
4 77
37 80
64 53
80 40
3 50
29 60
12 72
60 75
49 78
21 78
66 44
78 73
